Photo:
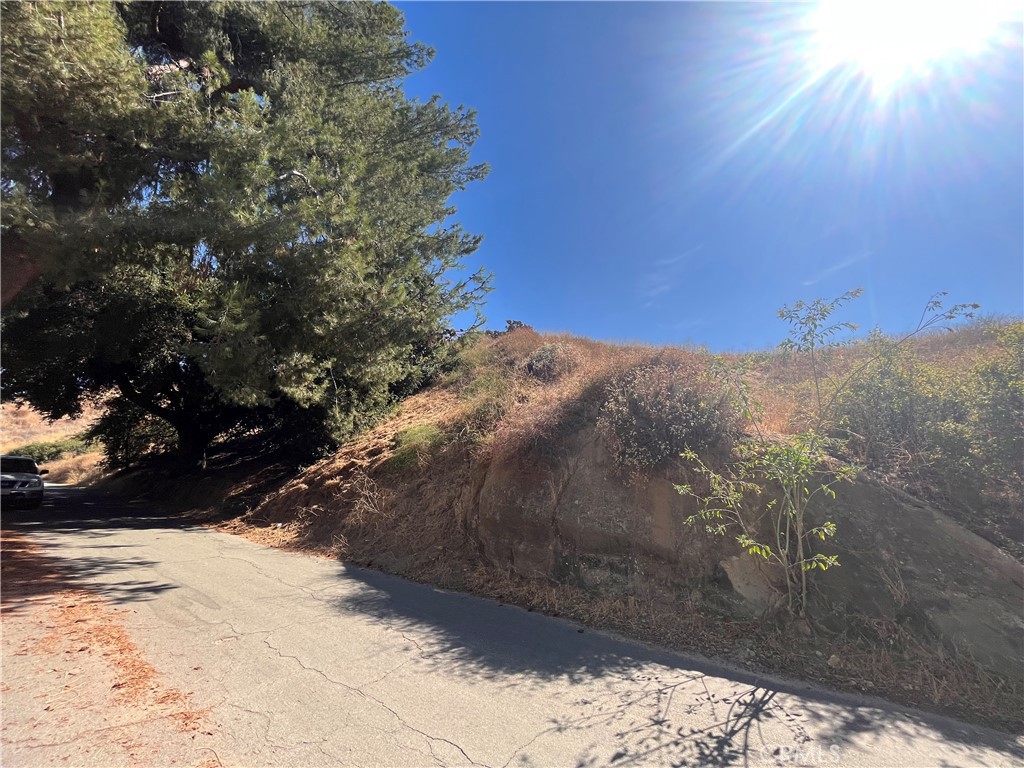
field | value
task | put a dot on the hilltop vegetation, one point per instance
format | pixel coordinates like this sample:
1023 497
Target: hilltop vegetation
941 415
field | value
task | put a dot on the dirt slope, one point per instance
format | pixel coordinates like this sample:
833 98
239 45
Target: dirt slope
534 508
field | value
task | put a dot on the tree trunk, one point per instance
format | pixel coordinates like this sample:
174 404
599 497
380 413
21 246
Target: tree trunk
193 442
194 437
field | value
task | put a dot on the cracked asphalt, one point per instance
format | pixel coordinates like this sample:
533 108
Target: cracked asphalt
303 661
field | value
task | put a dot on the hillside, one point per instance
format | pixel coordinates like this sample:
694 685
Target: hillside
21 425
57 444
542 470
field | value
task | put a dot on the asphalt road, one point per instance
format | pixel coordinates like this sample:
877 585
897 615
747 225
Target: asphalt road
306 662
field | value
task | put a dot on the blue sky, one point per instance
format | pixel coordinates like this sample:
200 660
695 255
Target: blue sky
675 172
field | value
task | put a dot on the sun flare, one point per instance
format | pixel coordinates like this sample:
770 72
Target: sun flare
891 42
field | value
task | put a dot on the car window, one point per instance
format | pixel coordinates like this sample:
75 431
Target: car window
18 465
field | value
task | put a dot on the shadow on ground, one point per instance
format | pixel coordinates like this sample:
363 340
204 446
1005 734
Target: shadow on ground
71 508
29 574
650 697
663 708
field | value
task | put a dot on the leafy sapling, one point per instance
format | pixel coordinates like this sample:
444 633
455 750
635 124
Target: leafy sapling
796 468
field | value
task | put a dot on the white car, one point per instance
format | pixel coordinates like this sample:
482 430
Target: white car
21 481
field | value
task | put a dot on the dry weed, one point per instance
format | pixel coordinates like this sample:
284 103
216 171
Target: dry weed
20 424
373 505
883 657
77 470
893 580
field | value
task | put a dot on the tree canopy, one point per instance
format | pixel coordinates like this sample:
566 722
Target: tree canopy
238 215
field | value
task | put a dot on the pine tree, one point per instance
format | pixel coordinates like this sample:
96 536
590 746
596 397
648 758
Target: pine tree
246 190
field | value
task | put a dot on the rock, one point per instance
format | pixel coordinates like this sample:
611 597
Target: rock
752 580
834 661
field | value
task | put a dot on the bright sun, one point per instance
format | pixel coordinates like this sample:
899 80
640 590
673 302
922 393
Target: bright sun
893 41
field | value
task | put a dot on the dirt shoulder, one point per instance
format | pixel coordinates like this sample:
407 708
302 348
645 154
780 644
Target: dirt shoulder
76 690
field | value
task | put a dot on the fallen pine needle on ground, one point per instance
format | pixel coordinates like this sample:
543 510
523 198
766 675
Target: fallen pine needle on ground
76 690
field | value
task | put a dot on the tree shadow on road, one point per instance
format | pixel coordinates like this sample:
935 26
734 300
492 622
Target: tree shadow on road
652 723
665 709
28 575
72 509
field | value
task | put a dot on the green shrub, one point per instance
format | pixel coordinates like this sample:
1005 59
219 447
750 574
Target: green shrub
128 434
552 361
415 446
490 396
474 354
881 409
999 407
655 412
902 416
485 377
52 450
940 425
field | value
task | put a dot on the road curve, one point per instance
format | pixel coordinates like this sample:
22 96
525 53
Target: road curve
306 662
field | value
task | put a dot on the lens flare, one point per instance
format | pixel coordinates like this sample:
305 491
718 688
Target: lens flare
862 88
899 40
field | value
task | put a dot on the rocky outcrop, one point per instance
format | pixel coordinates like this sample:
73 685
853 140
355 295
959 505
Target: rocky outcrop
574 518
906 561
565 513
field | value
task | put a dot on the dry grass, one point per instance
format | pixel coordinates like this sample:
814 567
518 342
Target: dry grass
537 412
20 424
882 657
84 469
781 381
359 503
690 623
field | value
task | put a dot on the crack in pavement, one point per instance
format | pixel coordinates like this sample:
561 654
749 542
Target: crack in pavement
411 640
307 590
266 726
386 674
369 697
526 745
333 757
